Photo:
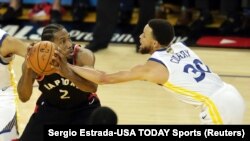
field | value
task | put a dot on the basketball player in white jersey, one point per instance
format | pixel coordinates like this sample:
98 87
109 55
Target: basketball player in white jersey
9 46
178 69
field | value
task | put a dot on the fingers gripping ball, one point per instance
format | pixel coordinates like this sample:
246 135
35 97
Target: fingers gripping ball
40 57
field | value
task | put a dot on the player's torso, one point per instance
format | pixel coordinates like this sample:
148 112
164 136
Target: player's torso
188 75
61 92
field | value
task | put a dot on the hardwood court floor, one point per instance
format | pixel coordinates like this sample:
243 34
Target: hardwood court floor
141 102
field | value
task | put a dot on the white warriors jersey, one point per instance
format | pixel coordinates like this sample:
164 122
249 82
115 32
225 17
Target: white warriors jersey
6 73
8 97
191 79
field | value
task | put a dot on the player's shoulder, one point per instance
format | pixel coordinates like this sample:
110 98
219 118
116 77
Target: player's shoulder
179 45
85 56
4 49
84 51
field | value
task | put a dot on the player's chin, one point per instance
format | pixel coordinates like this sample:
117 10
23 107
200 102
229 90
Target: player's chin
71 52
141 48
70 56
144 50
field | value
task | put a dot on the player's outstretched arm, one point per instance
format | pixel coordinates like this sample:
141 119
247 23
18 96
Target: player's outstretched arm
61 64
11 45
151 71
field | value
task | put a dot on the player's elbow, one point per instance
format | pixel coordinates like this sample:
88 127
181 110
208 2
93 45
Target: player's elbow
93 88
24 98
104 79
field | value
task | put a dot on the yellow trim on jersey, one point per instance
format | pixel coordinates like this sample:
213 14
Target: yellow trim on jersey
213 111
14 85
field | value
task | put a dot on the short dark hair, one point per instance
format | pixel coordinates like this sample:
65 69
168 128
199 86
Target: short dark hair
103 116
49 30
163 31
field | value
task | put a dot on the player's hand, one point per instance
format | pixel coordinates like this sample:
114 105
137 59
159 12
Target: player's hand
59 61
29 52
27 69
26 66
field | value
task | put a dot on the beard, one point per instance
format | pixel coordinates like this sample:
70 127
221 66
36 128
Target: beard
145 50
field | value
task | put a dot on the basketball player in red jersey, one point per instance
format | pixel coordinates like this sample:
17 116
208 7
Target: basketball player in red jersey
65 97
9 46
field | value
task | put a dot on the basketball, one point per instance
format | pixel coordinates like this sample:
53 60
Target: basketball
40 57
